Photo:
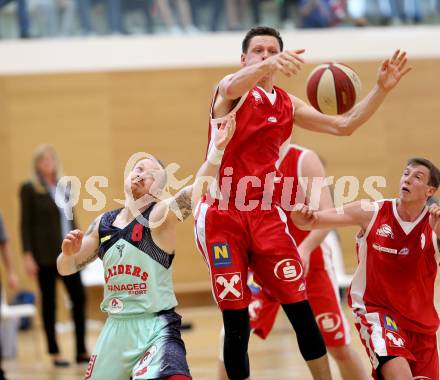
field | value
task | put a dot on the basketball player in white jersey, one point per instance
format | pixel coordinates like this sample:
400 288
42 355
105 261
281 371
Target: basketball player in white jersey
392 293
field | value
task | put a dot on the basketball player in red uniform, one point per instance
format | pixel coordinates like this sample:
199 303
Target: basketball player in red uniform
392 293
304 168
245 217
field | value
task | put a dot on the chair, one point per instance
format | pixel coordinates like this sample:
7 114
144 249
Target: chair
14 312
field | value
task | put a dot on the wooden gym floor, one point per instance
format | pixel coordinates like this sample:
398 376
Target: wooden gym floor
276 358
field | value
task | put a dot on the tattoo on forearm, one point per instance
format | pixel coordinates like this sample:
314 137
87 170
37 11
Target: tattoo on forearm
183 201
91 227
87 260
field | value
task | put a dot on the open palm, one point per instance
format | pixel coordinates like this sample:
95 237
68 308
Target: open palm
392 70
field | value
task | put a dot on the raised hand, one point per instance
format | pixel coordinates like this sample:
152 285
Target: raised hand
392 70
72 242
225 132
303 217
288 62
434 219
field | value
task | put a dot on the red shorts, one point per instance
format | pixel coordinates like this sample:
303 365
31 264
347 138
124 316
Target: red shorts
381 336
232 241
323 295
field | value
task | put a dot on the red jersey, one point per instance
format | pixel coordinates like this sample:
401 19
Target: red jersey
398 264
291 168
261 130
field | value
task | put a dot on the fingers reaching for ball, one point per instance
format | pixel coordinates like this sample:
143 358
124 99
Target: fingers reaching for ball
392 70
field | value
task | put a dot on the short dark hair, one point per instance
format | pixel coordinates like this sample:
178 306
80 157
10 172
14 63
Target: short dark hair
434 172
261 31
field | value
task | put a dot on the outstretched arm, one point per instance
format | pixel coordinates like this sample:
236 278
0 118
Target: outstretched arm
79 249
235 85
356 213
179 207
390 73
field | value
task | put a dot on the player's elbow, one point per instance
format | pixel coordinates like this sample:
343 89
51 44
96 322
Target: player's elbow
345 132
229 92
343 127
348 123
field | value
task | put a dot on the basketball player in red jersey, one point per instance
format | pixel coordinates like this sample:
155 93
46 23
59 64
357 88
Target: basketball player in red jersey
392 293
245 216
305 170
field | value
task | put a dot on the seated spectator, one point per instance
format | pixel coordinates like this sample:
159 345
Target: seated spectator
361 10
321 13
184 14
114 16
286 16
54 17
407 11
231 10
22 16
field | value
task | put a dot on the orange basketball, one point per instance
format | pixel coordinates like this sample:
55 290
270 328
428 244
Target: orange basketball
333 88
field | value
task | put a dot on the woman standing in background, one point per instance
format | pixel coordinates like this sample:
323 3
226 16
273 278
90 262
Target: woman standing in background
43 224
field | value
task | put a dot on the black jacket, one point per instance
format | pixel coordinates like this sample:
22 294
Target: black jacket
40 223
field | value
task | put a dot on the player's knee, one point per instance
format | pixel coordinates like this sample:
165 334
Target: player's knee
341 353
310 341
237 330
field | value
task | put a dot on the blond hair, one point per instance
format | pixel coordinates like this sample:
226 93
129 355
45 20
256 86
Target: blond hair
39 151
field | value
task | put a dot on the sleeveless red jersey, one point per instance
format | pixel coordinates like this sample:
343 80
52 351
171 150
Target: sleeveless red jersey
261 130
398 264
290 167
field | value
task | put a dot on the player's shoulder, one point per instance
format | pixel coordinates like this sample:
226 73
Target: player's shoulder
386 203
381 204
107 218
309 161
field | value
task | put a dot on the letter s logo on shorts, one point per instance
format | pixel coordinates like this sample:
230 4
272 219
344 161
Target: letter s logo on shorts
288 270
229 286
328 322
